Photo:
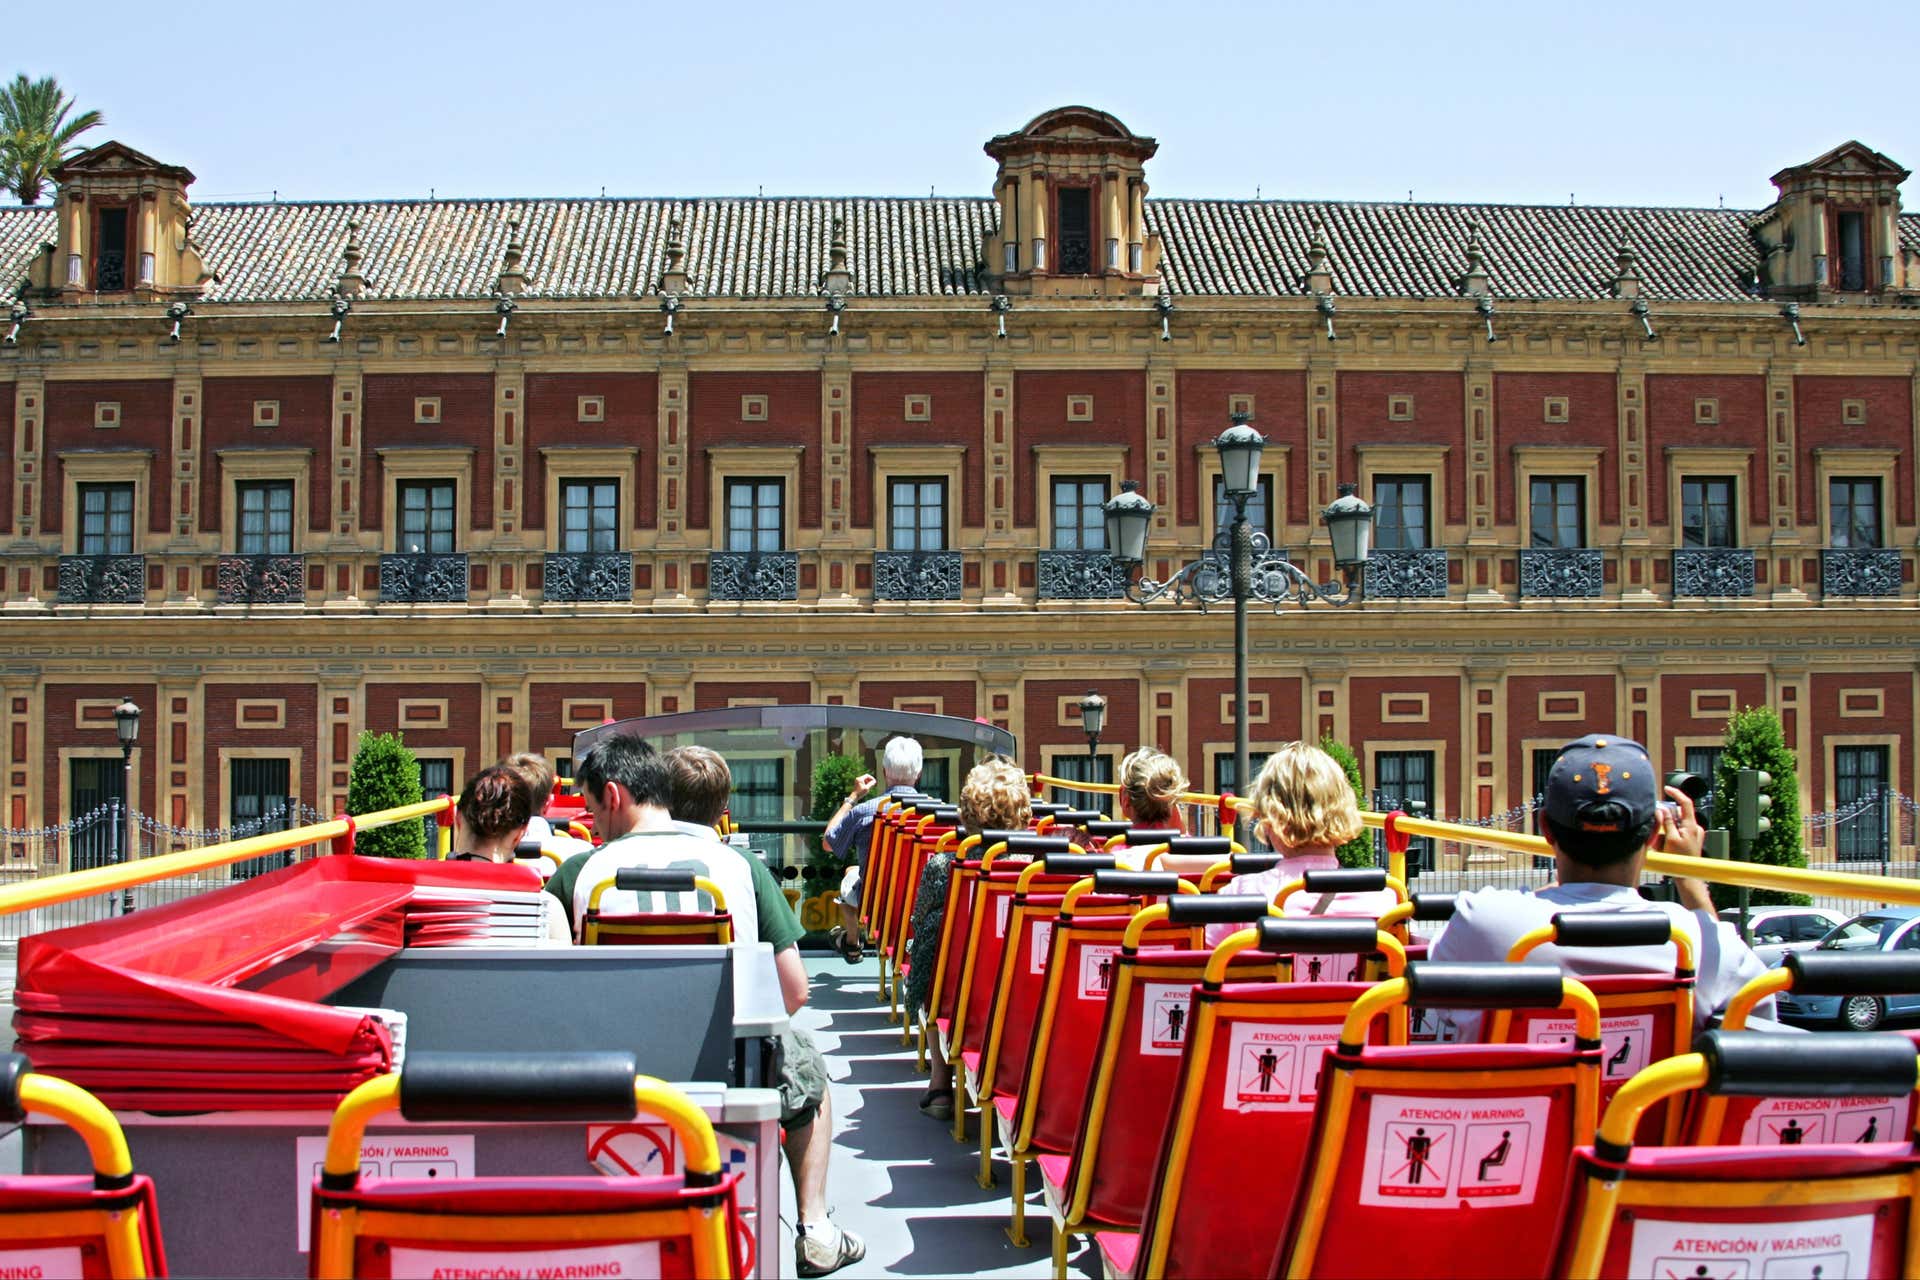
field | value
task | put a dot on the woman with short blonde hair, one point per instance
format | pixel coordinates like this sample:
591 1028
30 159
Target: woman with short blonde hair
995 797
1151 784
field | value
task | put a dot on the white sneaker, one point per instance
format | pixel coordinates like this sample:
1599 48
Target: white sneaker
822 1248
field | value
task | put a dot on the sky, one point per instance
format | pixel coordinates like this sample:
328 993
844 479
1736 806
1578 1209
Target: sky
1687 103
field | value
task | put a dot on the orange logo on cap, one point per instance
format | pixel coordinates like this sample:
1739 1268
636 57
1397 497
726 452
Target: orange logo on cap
1602 770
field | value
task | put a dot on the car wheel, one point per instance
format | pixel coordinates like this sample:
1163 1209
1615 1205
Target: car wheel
1862 1013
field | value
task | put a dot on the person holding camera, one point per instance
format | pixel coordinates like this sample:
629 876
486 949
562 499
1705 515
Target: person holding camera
849 834
1601 816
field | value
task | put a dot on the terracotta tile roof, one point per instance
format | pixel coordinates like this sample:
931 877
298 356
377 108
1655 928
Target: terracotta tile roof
777 247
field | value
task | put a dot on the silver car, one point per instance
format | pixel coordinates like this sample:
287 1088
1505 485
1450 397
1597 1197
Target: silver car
1778 930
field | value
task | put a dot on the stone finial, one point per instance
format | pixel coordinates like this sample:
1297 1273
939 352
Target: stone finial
673 280
1626 271
1476 282
351 284
1319 262
512 278
838 279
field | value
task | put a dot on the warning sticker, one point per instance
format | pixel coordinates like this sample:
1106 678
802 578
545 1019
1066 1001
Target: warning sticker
1002 910
1328 968
1425 1026
389 1156
1041 944
1276 1066
736 1156
1626 1042
1096 971
1829 1247
635 1149
1790 1122
1435 1152
1163 1020
601 1261
33 1264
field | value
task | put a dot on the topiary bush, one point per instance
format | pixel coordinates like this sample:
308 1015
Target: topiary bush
1757 740
385 776
833 778
1359 851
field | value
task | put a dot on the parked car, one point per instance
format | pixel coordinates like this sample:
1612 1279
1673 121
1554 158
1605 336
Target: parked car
1882 929
1778 930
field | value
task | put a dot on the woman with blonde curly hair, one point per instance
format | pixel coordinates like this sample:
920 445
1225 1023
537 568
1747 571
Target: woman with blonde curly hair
993 798
1304 809
1151 784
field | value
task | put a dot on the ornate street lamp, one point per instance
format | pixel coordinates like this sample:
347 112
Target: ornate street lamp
126 724
1093 718
1241 564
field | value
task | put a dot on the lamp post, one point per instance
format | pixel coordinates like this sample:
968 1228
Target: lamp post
126 724
1093 718
1241 565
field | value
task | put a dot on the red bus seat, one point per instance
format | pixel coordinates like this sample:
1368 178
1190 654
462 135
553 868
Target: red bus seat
105 1225
1454 1152
936 828
1827 1209
685 1224
1247 1084
657 928
1644 1018
1746 1120
1101 1181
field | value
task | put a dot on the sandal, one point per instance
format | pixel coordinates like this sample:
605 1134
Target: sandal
847 945
937 1104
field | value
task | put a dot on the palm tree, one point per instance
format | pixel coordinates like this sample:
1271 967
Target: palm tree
35 134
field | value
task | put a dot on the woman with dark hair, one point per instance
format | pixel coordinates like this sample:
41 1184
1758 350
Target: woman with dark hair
492 815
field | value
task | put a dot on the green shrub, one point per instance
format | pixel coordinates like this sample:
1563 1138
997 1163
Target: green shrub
385 776
1359 851
833 778
1756 740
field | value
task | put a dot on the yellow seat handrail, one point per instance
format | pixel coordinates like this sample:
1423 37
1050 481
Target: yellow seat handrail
1534 939
1292 887
700 885
1246 939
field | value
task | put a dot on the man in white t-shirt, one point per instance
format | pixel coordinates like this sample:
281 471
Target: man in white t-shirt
1602 815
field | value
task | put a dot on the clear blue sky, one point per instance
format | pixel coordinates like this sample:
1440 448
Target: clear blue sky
1610 103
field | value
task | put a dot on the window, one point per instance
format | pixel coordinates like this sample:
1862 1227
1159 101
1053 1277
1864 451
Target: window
110 250
1079 520
1850 264
589 515
1400 512
1706 512
1226 775
1402 780
936 777
1860 783
259 802
266 518
436 780
1559 514
1084 768
1808 927
760 795
1543 758
94 781
756 515
1853 511
1259 507
1075 209
426 517
917 515
106 519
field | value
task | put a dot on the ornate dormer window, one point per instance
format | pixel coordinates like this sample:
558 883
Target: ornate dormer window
1072 191
123 230
1834 230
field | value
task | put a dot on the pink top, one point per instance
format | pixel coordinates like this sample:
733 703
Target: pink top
1268 884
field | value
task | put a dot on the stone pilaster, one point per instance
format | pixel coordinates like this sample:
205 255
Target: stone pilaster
24 756
1786 538
839 472
341 717
1000 572
181 491
510 456
1633 476
1484 738
1482 568
1159 467
349 422
29 440
177 743
1323 464
673 564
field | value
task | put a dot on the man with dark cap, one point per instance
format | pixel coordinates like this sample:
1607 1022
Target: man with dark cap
1602 814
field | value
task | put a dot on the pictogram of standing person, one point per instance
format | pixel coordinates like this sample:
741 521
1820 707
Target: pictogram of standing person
1176 1020
1268 1062
1419 1150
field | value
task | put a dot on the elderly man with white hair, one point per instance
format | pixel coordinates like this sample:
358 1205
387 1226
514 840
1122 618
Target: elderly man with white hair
850 831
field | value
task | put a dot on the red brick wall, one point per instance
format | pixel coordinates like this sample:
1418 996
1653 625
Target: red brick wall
1044 729
1205 724
956 697
1889 425
146 422
1677 718
958 401
1439 418
546 705
1204 400
793 418
382 704
1670 424
301 733
466 421
713 695
1843 704
1529 696
552 418
306 422
1593 420
59 703
1040 415
1368 700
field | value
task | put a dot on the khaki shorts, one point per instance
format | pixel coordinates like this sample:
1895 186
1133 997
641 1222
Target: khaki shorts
803 1079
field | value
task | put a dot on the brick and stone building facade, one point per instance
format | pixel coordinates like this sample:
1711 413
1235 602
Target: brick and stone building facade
490 471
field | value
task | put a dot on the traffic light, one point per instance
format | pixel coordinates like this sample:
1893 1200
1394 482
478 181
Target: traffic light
1750 804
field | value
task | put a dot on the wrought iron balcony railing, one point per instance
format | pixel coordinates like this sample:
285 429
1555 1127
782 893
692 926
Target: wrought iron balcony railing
1080 575
753 575
1562 573
103 579
416 578
584 577
1713 573
262 579
1407 575
1860 571
916 575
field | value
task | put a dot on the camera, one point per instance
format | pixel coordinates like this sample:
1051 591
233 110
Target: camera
1693 787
